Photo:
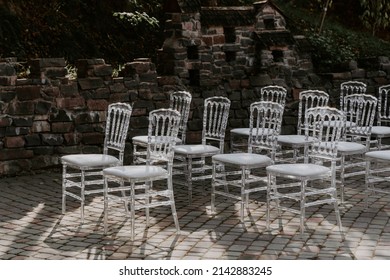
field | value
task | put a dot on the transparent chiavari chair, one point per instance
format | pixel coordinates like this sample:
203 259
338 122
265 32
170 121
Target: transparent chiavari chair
239 168
377 177
190 159
360 110
382 129
293 144
82 173
134 185
313 182
351 87
180 101
239 136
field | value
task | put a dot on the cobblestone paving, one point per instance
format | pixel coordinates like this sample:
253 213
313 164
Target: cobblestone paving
32 227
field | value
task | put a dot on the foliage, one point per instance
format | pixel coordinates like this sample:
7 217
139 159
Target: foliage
79 29
376 14
337 44
137 18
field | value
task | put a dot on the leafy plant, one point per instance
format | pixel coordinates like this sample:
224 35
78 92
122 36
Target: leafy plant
376 14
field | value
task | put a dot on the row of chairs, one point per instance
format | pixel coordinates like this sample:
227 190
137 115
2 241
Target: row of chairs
165 143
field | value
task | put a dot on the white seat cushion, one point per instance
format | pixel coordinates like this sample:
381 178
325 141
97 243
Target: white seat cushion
135 171
298 169
350 147
90 160
143 139
380 130
380 155
196 150
245 131
243 159
294 139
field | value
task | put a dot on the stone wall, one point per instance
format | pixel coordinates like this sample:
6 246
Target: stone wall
48 114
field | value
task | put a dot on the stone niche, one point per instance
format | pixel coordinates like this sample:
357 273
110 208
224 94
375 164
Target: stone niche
206 44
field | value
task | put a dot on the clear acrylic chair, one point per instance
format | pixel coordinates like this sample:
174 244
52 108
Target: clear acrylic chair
294 144
133 185
360 110
239 136
381 130
351 87
296 186
377 176
239 168
180 101
190 159
82 173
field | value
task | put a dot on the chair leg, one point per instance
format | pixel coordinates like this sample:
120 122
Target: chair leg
269 182
64 181
105 209
173 207
342 178
147 201
132 210
82 194
189 179
243 197
338 218
367 182
214 170
303 206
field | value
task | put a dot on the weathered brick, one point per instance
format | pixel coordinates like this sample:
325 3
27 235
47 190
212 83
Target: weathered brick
55 72
52 139
70 103
32 140
6 69
59 127
97 105
14 131
72 138
69 90
9 154
5 121
25 93
42 107
103 70
120 97
13 167
14 142
90 83
92 138
8 80
40 126
7 95
21 108
59 116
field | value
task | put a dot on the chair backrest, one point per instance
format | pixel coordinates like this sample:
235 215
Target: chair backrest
215 118
326 137
162 131
383 117
351 87
181 102
309 99
264 127
360 111
273 93
117 126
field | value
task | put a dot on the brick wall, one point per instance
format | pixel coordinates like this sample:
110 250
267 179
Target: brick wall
48 114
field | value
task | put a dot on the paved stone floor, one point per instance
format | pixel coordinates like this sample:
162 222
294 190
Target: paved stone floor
32 227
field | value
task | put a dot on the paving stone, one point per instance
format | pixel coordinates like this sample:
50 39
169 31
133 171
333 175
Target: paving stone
32 227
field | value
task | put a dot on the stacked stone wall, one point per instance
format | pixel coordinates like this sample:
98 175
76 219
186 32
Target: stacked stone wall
49 114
